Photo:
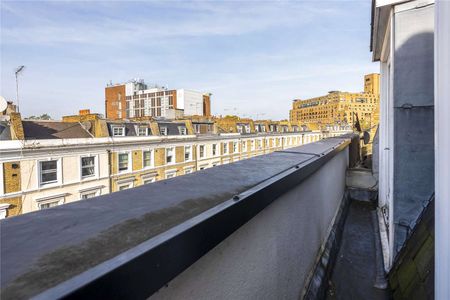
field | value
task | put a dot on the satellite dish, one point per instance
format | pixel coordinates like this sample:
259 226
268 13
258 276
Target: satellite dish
3 104
87 125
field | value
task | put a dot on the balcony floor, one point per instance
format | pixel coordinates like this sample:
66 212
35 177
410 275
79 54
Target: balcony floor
355 272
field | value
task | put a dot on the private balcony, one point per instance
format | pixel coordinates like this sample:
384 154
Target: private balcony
279 226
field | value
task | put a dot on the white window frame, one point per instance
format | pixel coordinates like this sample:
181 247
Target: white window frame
188 170
225 148
182 130
200 155
113 128
138 129
190 153
148 178
59 199
96 165
259 144
173 155
197 128
214 149
244 146
58 173
163 130
129 185
170 172
96 193
130 162
152 160
235 147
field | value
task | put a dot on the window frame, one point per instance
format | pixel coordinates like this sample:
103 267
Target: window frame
129 161
163 130
225 148
190 153
57 170
244 146
95 174
113 128
129 185
59 200
139 128
201 151
172 156
151 165
95 192
197 128
170 172
182 130
146 179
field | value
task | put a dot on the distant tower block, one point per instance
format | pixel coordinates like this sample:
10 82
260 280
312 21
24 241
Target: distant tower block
372 84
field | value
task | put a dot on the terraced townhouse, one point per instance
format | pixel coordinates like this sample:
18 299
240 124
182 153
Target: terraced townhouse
49 163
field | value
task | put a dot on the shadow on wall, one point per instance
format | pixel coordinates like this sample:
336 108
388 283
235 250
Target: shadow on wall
413 130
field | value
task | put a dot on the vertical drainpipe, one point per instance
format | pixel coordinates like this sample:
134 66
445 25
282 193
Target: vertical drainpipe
196 153
109 171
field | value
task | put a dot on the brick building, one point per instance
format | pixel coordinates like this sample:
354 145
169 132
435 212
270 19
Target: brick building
135 99
342 108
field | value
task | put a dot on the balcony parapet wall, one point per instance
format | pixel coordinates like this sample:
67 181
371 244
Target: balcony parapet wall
251 228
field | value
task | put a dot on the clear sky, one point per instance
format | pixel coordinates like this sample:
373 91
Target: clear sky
255 57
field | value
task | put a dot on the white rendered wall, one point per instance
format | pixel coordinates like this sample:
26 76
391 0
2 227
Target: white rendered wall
442 148
190 101
70 183
270 256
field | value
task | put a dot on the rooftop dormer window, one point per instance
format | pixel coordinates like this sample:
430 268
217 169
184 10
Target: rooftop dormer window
182 130
142 131
163 130
118 131
197 128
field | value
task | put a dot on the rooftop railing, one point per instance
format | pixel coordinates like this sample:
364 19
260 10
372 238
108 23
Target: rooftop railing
254 228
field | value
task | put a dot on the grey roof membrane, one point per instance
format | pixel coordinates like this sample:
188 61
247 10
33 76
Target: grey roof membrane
53 130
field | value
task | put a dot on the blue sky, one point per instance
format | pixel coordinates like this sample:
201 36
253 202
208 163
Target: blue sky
253 56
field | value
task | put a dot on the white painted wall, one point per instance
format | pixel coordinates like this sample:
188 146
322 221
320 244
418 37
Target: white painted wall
271 255
190 101
70 182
